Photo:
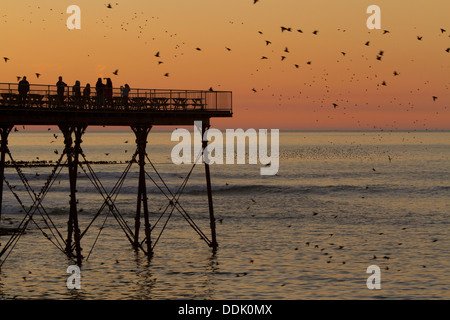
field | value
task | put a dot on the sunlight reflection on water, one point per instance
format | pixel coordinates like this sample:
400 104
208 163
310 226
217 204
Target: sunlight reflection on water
308 233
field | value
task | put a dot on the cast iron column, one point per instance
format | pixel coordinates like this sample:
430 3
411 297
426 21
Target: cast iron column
212 219
72 153
141 133
4 132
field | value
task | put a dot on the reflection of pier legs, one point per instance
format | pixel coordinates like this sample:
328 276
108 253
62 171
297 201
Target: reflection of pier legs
73 153
141 133
212 220
4 132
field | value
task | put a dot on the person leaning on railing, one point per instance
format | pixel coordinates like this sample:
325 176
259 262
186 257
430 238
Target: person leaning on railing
76 91
61 86
125 90
108 92
87 96
24 88
100 87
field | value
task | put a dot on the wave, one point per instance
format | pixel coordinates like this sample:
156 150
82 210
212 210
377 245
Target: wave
199 187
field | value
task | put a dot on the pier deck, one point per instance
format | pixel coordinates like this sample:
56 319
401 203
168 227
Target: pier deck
43 106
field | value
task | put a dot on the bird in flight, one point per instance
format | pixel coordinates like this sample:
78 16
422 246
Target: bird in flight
434 98
385 31
116 72
255 1
268 42
419 37
285 29
38 75
367 43
6 59
335 105
448 50
157 54
166 74
443 30
315 32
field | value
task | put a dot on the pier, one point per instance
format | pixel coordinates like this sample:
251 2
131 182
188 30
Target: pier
72 113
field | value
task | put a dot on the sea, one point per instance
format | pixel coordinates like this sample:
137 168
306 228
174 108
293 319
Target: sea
344 208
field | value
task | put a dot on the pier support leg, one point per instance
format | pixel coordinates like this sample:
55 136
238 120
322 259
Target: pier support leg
4 132
212 219
73 153
141 133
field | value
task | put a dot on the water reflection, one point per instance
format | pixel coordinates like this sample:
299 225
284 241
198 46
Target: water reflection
145 279
210 270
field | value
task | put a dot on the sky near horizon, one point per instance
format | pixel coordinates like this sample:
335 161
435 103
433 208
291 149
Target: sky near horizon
344 87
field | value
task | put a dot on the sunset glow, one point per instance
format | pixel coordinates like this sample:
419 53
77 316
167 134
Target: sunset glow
220 44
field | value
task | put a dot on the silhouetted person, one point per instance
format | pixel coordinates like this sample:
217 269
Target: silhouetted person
109 92
100 88
60 88
125 94
87 95
24 88
76 91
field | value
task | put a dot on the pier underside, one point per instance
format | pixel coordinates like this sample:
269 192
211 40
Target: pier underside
141 111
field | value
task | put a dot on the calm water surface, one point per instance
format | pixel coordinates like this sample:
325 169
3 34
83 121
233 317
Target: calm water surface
341 201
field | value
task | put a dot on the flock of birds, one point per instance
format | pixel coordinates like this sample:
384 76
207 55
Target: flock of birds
139 22
336 251
55 136
325 75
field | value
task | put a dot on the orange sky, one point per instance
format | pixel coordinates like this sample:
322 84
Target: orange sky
126 37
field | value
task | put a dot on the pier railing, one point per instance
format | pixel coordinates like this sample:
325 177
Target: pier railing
47 97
